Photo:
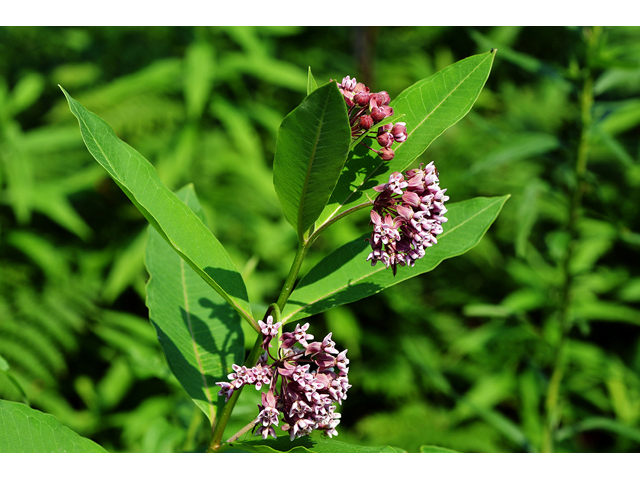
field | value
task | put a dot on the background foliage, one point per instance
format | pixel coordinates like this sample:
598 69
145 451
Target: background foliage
461 357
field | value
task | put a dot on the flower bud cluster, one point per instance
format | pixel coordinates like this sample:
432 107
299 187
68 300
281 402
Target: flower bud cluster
407 216
367 110
314 378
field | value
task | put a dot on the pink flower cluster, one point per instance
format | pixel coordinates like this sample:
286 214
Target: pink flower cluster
314 378
407 216
368 109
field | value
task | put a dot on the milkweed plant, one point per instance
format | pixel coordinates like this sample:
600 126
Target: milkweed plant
343 149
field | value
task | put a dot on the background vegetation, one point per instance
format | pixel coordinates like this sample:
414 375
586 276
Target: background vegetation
526 343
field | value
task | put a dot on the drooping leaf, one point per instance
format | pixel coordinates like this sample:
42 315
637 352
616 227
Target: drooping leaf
345 276
199 332
430 107
26 430
312 146
313 444
175 222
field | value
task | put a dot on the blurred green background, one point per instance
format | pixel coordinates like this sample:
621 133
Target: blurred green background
461 357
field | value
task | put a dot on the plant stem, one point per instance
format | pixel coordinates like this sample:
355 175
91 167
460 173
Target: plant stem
225 414
222 419
333 220
552 410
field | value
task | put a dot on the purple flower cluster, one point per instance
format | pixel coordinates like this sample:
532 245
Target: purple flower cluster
314 378
367 109
407 216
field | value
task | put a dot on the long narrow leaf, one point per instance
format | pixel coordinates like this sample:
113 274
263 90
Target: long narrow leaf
345 276
199 332
173 220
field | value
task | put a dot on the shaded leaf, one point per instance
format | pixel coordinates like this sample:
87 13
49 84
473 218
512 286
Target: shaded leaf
199 332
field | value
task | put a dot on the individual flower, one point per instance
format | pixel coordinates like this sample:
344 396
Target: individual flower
407 216
313 379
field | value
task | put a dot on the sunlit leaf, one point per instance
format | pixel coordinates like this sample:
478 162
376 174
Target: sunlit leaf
345 276
26 430
312 146
175 222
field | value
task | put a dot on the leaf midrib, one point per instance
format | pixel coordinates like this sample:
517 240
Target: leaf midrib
309 166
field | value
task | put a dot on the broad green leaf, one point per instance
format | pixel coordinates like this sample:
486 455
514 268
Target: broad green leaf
200 333
430 107
175 222
26 430
311 83
345 276
313 444
312 146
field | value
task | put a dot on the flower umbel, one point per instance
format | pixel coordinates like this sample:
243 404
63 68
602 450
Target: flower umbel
314 377
407 216
368 109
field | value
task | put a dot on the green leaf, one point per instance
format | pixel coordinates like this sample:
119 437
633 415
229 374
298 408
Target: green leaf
200 333
25 430
199 72
430 106
435 449
312 146
175 222
345 276
311 83
313 444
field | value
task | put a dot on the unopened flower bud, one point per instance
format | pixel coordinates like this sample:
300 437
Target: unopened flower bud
380 113
361 98
399 132
385 139
380 99
365 122
386 154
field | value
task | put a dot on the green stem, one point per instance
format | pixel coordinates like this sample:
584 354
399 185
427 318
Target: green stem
222 419
225 414
552 410
333 220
